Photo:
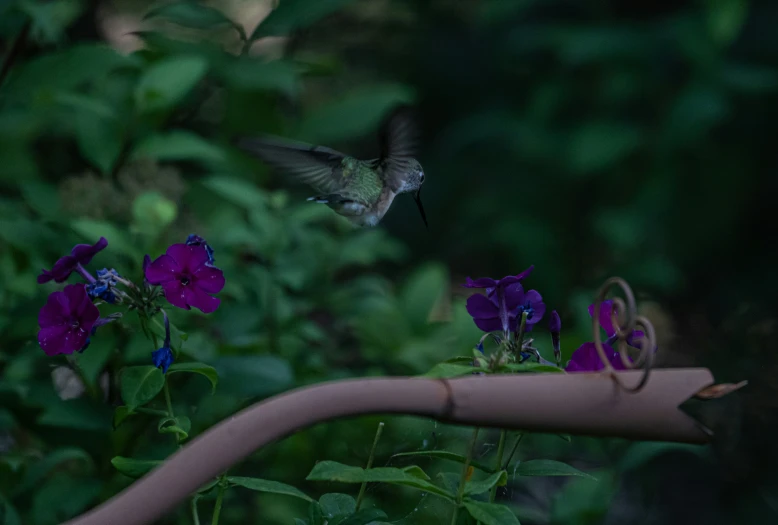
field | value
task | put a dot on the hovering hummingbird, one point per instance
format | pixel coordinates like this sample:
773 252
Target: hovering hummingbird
360 190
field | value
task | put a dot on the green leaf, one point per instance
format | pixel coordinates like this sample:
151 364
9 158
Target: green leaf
91 230
237 191
39 470
204 370
363 517
51 19
263 485
444 454
253 75
152 213
80 414
356 114
639 454
294 14
481 486
600 145
134 468
315 512
140 384
190 14
335 504
446 370
180 425
62 497
334 471
120 414
530 367
549 467
168 81
253 375
491 513
424 288
178 145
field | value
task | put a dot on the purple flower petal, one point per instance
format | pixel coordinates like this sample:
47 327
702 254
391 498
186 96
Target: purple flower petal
66 320
514 296
523 275
492 325
83 253
535 301
554 323
80 254
199 299
483 282
586 359
479 307
606 320
174 293
209 279
162 270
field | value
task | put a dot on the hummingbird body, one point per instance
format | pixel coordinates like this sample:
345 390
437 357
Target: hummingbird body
360 190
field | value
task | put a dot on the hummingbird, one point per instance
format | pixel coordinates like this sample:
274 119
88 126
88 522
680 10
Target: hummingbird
362 191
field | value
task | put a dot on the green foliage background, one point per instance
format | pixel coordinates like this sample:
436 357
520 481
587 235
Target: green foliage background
590 139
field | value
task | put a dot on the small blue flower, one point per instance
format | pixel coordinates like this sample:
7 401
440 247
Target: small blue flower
103 286
162 358
196 240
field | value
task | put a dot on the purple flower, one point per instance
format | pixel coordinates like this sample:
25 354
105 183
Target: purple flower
66 320
186 277
606 322
487 282
80 254
196 240
586 359
502 307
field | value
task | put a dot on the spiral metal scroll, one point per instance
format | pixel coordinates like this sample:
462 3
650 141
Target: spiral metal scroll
625 320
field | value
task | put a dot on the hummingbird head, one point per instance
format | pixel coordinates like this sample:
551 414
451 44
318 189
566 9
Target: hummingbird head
413 181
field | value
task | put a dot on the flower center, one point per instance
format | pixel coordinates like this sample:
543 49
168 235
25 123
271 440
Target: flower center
527 308
185 279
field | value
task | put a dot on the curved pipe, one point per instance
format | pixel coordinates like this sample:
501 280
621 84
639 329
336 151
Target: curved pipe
589 404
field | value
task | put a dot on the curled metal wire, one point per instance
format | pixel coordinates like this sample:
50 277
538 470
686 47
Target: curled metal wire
625 320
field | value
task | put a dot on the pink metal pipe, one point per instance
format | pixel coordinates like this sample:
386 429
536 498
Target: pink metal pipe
585 404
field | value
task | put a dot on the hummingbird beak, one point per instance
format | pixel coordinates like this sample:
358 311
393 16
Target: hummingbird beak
417 198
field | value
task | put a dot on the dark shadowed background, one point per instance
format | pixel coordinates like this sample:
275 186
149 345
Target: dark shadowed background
589 138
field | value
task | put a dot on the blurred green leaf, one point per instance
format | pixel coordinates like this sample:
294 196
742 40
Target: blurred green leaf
63 497
134 468
599 145
235 190
120 414
294 14
490 513
253 75
479 487
549 467
726 18
253 375
39 470
334 471
180 425
204 370
444 454
140 384
152 212
335 504
362 517
79 414
263 485
639 454
424 288
355 114
178 145
91 230
51 19
100 140
168 81
446 370
190 14
530 367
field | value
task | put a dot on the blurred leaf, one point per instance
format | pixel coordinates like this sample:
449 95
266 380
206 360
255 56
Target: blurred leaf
263 485
120 414
8 514
316 510
180 425
41 197
334 471
178 145
63 497
446 370
479 487
92 361
91 230
725 19
638 454
363 517
39 470
253 75
253 375
548 467
580 497
204 370
443 454
600 145
140 384
490 513
190 14
100 140
51 19
530 367
79 414
168 81
235 190
422 291
335 504
356 114
134 468
294 14
152 213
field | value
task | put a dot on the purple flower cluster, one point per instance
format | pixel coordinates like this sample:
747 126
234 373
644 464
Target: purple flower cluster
185 273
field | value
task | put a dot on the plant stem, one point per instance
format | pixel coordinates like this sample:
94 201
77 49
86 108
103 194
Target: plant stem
195 515
463 479
168 401
498 462
513 451
370 462
219 498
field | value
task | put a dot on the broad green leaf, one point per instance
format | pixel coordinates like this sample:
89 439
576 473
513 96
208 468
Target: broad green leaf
355 114
334 471
168 81
491 513
140 384
204 370
62 497
253 75
40 469
530 367
152 213
264 485
178 145
179 425
316 512
253 375
190 14
237 191
134 468
335 504
422 291
444 454
50 20
481 486
81 414
363 517
446 370
549 467
120 414
293 14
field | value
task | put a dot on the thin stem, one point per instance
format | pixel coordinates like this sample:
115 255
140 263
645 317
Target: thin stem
151 412
513 451
463 479
195 514
522 328
219 498
370 462
168 401
498 462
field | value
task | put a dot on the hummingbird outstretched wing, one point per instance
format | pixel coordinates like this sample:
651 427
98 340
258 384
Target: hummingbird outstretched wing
399 139
317 166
